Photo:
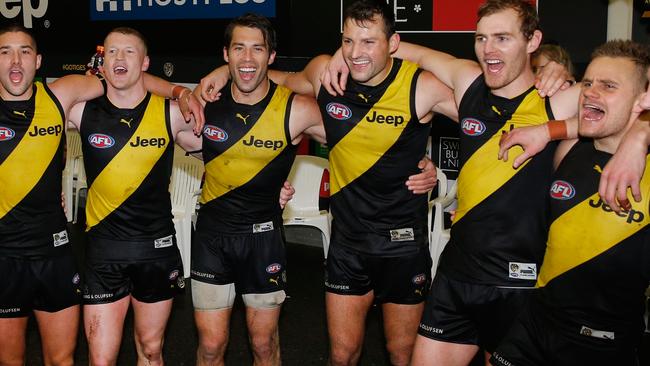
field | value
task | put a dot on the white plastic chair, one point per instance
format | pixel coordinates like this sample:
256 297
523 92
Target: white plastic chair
438 235
306 174
184 190
73 173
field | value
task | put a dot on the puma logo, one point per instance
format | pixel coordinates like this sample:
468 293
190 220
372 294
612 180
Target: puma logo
274 280
126 121
21 113
598 168
418 291
240 116
362 97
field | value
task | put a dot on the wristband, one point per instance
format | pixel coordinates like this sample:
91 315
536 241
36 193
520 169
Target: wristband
557 130
178 90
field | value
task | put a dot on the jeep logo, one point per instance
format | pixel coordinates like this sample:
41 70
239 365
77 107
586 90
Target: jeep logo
154 141
42 131
389 120
338 111
631 216
267 144
561 190
472 127
11 8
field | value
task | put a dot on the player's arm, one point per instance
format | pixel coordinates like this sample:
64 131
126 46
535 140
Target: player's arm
305 82
625 169
184 133
75 88
305 118
433 96
188 103
534 139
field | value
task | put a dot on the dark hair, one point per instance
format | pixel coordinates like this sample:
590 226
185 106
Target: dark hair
636 52
362 11
129 32
251 20
524 8
18 28
555 53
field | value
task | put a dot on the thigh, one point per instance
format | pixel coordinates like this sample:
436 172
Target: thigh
346 272
150 319
12 341
346 319
103 324
401 280
58 332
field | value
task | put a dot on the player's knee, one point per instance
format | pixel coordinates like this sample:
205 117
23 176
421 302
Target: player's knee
264 347
344 354
206 296
64 359
264 301
400 351
151 349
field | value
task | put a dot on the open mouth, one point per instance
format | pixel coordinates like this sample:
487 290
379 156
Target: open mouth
360 64
16 76
494 66
592 112
247 73
120 70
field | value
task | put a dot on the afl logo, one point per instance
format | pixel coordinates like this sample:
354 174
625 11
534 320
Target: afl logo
101 141
561 190
215 133
419 279
6 134
472 127
338 111
273 268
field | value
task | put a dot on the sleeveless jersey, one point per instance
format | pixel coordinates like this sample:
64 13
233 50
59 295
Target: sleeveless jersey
376 141
128 156
500 227
248 154
597 262
31 163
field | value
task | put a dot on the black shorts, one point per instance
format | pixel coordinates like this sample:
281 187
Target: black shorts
537 339
254 262
465 313
46 284
400 280
148 272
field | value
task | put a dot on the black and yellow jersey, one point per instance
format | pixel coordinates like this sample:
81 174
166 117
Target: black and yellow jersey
500 227
31 164
128 156
376 141
597 262
248 154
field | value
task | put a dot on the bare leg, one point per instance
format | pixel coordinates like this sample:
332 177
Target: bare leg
103 324
431 352
346 324
150 321
12 341
213 327
401 324
264 336
58 335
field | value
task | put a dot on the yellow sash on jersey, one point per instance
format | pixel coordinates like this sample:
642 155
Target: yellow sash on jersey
25 166
128 169
367 142
241 163
584 232
483 174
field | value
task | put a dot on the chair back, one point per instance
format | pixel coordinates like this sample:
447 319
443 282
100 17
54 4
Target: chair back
305 176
